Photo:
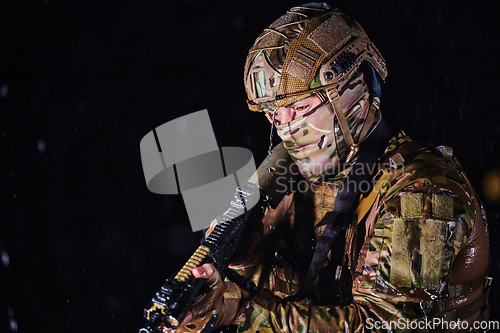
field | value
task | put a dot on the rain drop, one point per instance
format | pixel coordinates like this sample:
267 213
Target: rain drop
5 259
4 90
41 146
13 325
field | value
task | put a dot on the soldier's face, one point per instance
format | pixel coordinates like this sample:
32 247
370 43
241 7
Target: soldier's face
286 114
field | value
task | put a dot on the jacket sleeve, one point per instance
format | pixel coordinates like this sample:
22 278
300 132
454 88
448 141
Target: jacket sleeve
419 223
266 314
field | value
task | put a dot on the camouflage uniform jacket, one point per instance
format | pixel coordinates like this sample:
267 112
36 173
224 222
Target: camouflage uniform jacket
414 236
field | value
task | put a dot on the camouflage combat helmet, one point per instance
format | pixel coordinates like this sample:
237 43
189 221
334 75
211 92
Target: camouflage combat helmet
311 48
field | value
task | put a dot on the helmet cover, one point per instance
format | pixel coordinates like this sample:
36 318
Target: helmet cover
312 47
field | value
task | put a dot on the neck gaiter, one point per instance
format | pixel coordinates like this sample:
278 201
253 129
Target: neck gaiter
314 140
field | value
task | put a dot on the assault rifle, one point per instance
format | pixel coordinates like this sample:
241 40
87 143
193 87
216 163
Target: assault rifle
171 303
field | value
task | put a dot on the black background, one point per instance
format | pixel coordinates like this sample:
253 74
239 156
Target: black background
82 82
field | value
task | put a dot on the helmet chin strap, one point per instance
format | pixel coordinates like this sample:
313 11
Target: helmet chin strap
370 118
270 148
352 147
333 97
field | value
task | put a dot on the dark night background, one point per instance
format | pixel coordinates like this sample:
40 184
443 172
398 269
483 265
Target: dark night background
82 82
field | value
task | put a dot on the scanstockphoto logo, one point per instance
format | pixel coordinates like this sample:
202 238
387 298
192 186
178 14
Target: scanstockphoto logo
430 324
287 179
182 156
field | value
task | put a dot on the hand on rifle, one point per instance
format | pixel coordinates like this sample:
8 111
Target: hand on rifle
219 305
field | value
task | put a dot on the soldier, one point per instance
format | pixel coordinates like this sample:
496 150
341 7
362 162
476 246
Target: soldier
382 236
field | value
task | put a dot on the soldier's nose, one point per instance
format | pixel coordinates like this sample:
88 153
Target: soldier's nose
285 115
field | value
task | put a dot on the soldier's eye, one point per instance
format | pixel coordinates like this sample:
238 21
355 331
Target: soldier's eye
301 108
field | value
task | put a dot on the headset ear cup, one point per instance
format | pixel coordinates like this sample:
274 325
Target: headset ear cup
372 78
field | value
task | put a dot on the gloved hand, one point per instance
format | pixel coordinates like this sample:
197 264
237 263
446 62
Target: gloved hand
221 298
